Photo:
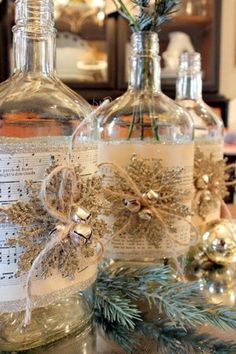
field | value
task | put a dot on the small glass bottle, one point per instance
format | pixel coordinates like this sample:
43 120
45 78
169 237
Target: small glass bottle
145 122
38 114
208 127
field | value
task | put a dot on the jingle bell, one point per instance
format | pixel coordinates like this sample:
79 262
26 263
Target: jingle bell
79 214
81 233
202 182
151 195
219 241
133 205
145 214
58 228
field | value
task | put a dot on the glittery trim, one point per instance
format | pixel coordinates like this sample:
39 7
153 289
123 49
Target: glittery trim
43 301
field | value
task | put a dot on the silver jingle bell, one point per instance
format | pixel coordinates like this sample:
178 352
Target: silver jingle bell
151 195
145 214
134 206
58 228
203 182
79 214
81 233
219 241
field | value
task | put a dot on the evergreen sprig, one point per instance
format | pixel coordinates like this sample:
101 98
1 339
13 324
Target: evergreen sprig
151 15
179 307
177 340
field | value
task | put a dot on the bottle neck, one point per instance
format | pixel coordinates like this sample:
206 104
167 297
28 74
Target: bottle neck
145 72
33 55
189 82
34 37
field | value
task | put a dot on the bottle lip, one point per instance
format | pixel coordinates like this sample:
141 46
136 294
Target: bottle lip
145 42
190 62
34 15
145 33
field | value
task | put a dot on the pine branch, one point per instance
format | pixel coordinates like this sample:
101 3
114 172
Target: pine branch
169 339
222 317
151 16
116 309
124 12
134 279
115 332
181 305
179 302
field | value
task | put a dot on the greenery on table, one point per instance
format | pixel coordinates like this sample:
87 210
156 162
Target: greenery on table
178 308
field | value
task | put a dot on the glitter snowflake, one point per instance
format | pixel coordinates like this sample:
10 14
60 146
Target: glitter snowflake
145 196
35 225
210 180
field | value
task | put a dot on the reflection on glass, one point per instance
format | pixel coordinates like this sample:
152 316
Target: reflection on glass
81 41
81 60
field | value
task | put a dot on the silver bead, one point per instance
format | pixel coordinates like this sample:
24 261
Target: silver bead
202 182
79 214
134 206
145 214
151 195
81 233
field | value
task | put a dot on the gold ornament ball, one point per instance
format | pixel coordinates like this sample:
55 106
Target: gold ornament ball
219 241
219 285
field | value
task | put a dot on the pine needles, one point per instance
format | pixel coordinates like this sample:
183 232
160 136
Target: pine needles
151 14
178 309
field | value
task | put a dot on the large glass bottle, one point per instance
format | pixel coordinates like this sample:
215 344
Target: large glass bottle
38 114
150 125
208 127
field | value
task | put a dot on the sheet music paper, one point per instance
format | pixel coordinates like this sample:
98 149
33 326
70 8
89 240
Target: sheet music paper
22 160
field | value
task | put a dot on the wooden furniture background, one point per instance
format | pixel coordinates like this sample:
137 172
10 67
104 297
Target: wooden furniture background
4 41
203 29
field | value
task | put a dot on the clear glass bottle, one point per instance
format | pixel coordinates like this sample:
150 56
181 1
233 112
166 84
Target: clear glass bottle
208 127
38 114
145 122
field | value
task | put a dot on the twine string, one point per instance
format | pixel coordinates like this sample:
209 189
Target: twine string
225 208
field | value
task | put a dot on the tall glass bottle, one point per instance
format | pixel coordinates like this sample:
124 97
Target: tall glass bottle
208 127
150 125
38 114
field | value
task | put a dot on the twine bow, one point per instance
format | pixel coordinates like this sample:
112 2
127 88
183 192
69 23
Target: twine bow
72 224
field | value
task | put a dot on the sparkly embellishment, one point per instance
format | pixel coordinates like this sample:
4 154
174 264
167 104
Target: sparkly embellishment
82 233
210 183
80 214
155 201
145 214
133 206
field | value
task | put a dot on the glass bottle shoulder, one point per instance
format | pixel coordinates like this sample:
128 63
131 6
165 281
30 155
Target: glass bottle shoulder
205 120
32 105
146 115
